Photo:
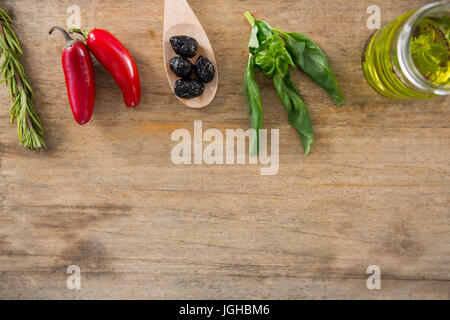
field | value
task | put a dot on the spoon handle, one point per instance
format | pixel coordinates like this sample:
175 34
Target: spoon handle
177 12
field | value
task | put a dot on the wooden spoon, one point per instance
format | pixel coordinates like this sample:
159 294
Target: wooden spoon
180 20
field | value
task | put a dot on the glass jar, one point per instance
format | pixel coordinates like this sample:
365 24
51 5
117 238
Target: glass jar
409 58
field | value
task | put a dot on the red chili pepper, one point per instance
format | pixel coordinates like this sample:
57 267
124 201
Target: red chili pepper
113 55
79 74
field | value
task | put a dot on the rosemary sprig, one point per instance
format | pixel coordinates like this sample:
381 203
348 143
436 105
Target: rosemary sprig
29 128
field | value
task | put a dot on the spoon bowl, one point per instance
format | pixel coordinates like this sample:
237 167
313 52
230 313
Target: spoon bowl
180 20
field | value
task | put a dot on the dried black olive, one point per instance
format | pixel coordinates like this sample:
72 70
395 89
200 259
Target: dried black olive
188 88
182 67
184 46
204 69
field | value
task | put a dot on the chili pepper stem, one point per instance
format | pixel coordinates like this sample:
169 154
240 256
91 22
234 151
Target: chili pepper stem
64 32
84 33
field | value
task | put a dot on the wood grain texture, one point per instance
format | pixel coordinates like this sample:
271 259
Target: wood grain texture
106 197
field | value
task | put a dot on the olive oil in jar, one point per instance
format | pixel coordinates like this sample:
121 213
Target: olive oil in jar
409 58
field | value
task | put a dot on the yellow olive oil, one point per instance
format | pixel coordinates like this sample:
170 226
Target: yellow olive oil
429 50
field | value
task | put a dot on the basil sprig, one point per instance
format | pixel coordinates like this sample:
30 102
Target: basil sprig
273 54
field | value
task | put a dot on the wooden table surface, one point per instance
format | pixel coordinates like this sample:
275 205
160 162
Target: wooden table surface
107 197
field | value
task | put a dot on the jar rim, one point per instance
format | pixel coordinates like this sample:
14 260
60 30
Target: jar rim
405 60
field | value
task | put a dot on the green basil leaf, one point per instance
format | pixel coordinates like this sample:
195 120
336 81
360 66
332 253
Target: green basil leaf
283 62
298 114
265 61
265 31
275 45
286 57
272 55
311 60
254 103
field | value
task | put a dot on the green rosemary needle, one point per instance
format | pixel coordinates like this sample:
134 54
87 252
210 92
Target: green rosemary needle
29 127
